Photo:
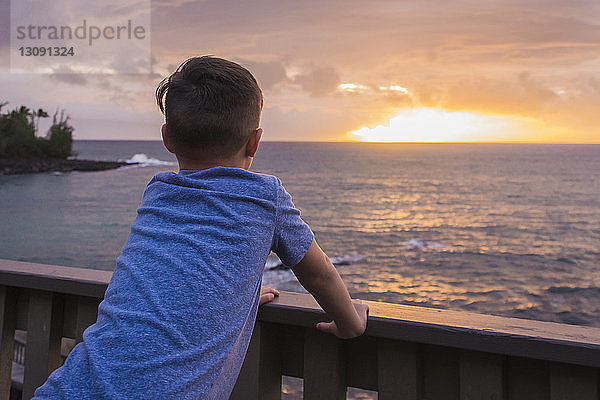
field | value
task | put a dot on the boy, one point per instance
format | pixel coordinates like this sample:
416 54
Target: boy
179 311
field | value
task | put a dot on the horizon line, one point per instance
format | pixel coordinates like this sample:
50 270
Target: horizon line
360 141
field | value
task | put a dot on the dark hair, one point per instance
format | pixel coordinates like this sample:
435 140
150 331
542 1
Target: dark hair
210 105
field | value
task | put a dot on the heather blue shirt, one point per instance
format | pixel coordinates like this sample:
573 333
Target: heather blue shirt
178 313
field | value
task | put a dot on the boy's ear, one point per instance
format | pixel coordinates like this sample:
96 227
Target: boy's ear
252 144
165 139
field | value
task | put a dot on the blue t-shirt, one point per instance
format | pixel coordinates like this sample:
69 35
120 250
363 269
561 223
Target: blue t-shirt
179 311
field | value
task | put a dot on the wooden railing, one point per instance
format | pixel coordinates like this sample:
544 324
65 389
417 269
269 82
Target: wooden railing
407 352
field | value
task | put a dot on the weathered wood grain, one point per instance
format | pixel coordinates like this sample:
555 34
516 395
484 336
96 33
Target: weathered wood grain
260 376
324 367
246 386
44 333
440 373
292 354
528 379
68 280
510 336
481 376
360 357
399 370
408 351
573 382
8 299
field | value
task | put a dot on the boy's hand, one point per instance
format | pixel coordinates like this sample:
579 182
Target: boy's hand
362 310
267 294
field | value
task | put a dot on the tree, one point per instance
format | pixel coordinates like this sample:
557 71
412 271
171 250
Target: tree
60 136
18 137
35 118
17 134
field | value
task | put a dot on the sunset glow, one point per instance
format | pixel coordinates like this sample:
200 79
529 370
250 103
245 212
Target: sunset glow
367 71
351 87
434 125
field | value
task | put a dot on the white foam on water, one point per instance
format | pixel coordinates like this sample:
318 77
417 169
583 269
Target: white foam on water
143 160
274 278
273 262
435 245
421 244
348 259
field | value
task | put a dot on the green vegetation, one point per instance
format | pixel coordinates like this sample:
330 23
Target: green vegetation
18 134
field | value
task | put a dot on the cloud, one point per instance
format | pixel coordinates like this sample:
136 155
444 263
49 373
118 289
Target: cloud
318 81
268 74
535 59
433 125
307 124
66 74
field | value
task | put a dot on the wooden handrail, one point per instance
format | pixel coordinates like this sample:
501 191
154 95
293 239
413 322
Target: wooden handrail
54 278
511 336
413 351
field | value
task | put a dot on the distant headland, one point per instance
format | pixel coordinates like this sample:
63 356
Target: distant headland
22 151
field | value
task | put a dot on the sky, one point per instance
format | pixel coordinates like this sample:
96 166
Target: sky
526 70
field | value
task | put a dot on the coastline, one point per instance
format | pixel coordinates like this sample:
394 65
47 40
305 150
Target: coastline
36 165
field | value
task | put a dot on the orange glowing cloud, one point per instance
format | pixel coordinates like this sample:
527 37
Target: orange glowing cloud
434 125
424 71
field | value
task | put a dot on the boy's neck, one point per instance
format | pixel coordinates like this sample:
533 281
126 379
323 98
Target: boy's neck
197 165
241 159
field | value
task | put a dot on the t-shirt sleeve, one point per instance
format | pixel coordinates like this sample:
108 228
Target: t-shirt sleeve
292 236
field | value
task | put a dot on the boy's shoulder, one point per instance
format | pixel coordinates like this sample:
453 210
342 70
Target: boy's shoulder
221 179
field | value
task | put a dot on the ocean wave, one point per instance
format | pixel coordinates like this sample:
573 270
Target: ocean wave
348 259
274 263
575 290
142 160
421 244
566 260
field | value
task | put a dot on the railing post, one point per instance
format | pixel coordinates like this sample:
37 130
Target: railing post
324 373
44 332
8 312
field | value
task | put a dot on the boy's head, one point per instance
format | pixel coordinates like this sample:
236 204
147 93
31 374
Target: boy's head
212 107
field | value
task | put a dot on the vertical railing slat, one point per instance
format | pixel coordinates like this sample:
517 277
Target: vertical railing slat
573 382
440 373
360 357
87 313
324 373
246 386
398 370
269 375
44 331
528 379
292 359
8 309
481 376
260 376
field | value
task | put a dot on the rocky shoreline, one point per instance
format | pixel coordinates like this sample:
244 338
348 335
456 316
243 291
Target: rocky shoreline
30 166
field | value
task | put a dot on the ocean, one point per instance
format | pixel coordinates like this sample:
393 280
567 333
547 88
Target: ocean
504 229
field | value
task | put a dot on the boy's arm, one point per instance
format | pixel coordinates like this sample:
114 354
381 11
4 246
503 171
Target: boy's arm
318 275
